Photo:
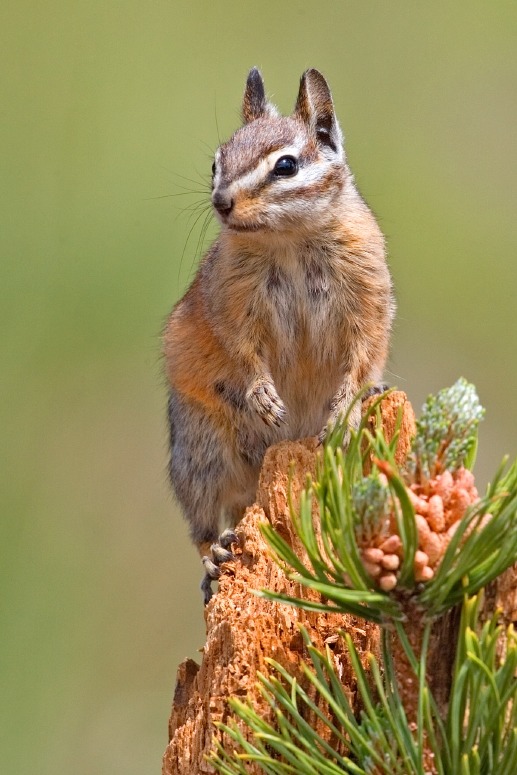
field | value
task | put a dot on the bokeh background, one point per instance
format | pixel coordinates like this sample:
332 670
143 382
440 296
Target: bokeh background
107 107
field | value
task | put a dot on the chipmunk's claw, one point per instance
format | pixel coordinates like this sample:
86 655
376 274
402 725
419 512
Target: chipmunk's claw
227 538
212 570
220 553
206 589
322 435
264 400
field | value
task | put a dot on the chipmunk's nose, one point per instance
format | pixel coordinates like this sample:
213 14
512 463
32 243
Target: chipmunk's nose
222 203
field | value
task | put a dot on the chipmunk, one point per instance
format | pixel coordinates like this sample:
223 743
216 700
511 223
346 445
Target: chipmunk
287 318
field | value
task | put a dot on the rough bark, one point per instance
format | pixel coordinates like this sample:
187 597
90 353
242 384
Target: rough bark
243 629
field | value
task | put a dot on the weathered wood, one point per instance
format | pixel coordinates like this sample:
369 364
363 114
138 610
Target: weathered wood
242 629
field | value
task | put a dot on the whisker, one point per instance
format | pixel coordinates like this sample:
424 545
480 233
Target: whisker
200 208
201 238
204 181
211 150
205 200
196 205
187 240
181 193
216 122
202 233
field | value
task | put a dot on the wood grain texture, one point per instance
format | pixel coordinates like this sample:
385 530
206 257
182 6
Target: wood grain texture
242 629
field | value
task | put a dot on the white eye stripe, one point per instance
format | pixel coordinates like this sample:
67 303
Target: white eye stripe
305 175
255 177
289 150
259 173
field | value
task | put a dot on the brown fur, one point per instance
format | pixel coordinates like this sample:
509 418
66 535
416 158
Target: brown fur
289 313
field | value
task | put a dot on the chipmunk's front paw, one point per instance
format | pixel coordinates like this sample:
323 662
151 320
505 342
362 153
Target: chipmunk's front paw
220 552
339 410
264 400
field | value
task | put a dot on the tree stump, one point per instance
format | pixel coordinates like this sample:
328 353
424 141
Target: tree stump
243 629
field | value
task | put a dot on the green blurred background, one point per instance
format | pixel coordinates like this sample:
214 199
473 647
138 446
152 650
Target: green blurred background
105 106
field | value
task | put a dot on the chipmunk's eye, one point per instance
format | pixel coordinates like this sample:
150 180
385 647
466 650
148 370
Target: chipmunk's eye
286 166
213 168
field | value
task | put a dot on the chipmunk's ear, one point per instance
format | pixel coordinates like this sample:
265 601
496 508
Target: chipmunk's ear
254 103
316 109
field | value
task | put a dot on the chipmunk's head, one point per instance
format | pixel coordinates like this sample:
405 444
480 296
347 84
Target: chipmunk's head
280 174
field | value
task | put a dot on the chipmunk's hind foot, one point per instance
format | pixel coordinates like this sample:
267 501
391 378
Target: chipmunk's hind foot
220 551
376 390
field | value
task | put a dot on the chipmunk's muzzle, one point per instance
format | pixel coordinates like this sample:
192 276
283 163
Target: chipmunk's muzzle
223 203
